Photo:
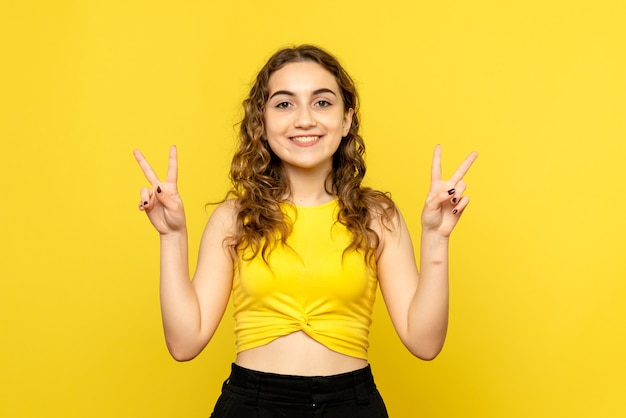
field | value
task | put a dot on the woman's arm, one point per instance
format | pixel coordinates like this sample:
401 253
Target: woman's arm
418 303
191 310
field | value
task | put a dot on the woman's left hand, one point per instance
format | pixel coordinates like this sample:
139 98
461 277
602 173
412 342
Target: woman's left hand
445 201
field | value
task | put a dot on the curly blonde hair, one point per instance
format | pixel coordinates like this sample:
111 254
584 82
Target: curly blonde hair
259 182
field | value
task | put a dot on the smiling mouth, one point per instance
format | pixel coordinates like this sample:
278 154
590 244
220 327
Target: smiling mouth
305 139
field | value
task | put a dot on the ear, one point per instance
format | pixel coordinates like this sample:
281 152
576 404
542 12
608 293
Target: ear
347 122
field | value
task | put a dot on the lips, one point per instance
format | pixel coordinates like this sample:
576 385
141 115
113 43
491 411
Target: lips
305 140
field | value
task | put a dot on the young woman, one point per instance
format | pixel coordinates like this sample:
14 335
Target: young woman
302 247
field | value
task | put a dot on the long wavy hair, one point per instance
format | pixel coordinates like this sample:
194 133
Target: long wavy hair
259 182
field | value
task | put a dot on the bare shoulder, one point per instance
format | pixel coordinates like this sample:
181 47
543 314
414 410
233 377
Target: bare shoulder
222 224
225 213
385 221
384 216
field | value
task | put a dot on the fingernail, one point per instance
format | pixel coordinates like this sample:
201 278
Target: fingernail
454 212
158 189
451 191
145 203
454 199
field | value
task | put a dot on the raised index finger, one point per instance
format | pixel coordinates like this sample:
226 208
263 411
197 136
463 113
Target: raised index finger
146 168
464 167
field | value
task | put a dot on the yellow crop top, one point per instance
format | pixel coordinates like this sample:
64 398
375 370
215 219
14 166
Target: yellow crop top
309 287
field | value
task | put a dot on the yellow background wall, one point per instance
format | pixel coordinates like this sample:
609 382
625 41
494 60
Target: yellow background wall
538 319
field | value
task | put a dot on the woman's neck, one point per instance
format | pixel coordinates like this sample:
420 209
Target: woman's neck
308 187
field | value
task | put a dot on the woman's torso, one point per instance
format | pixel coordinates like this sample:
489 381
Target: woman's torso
347 295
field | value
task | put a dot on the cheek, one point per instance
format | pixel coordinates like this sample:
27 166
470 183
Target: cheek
273 144
272 124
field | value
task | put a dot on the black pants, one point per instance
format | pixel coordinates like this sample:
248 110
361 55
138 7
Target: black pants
251 394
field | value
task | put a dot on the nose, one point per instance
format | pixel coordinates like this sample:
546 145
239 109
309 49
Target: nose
304 118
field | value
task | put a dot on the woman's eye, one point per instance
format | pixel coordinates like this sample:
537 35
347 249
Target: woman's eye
283 105
323 103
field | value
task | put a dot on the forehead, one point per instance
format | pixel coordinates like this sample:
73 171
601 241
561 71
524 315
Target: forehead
302 77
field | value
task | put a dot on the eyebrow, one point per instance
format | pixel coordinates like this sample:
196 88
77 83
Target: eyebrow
289 93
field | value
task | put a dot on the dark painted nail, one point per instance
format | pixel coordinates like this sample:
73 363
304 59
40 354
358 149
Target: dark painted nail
158 189
454 199
145 203
451 191
454 212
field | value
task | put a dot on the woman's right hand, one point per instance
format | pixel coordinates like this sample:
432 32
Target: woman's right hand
162 203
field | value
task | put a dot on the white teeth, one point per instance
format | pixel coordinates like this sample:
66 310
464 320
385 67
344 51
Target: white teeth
304 139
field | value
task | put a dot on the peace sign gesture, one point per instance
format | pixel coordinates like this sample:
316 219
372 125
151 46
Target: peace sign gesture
445 201
162 203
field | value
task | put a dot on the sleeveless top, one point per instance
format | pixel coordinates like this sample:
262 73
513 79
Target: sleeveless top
308 285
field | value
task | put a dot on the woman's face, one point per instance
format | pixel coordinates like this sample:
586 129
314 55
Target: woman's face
305 117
